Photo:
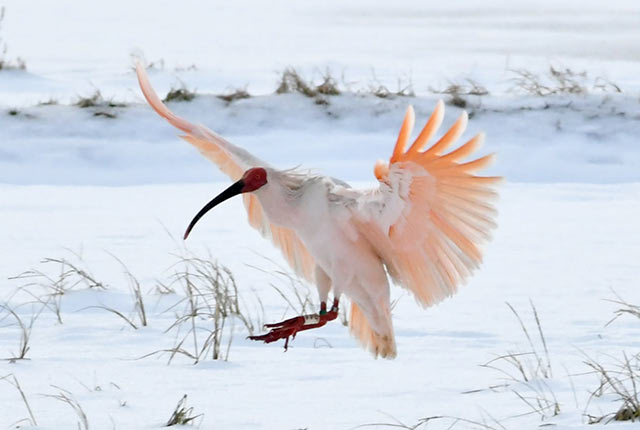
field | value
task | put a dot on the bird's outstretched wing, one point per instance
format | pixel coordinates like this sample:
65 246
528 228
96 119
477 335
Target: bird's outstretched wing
430 214
234 161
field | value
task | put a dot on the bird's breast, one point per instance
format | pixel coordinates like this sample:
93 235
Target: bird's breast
323 226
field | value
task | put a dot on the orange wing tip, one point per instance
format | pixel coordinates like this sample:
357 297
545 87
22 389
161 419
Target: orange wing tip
429 130
450 136
381 170
478 164
489 180
433 158
464 151
405 133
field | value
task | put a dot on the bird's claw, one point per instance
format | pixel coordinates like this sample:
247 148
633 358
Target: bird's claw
289 328
277 334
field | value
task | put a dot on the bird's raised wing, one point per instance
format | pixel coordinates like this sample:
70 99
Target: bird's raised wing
234 161
431 213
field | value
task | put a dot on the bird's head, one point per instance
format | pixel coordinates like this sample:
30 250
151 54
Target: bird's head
252 180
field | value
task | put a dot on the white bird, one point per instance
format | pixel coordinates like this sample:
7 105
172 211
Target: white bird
422 227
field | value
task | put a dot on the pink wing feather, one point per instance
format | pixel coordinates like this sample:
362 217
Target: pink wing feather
234 161
431 214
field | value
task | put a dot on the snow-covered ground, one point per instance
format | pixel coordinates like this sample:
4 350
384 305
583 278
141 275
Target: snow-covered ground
90 188
565 247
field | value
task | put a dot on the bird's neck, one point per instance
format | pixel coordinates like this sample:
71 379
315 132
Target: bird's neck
280 205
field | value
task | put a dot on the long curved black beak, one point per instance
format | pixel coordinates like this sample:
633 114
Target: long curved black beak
233 190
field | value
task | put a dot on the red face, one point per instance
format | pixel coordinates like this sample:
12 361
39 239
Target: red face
254 179
250 181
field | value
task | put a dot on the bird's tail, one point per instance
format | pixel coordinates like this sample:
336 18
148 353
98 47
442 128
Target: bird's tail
380 345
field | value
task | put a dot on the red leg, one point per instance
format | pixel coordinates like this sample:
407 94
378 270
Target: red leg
288 328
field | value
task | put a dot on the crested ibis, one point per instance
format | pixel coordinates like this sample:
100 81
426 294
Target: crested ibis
422 227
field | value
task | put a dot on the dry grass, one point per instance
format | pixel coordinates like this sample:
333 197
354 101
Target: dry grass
404 88
560 81
527 372
67 398
328 86
381 91
163 289
105 114
180 94
67 276
237 94
450 422
76 275
24 328
621 381
97 100
210 306
103 108
18 63
139 318
533 84
136 293
92 100
605 85
54 290
13 381
626 308
182 415
458 92
529 365
291 81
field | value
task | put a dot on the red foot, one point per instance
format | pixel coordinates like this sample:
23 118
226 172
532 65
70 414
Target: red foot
288 328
